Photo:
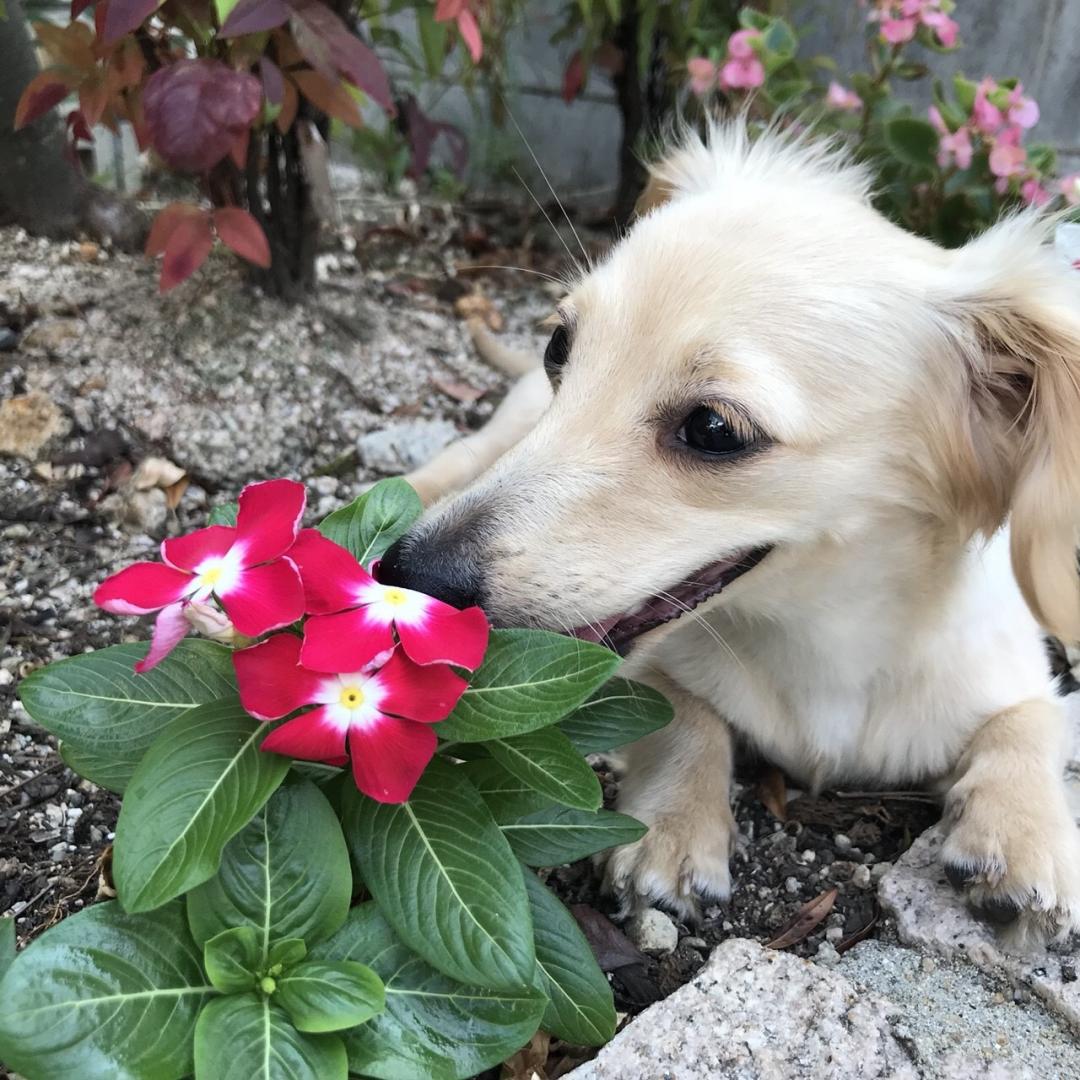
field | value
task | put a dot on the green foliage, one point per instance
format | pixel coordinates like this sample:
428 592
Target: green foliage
234 939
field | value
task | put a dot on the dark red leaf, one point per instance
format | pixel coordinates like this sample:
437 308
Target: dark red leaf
186 251
772 792
289 107
254 16
329 47
329 96
573 78
123 16
239 149
243 234
196 110
166 222
44 92
78 7
611 947
421 132
272 80
101 11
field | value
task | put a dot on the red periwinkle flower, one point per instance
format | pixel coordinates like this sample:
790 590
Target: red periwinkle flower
380 715
353 616
243 567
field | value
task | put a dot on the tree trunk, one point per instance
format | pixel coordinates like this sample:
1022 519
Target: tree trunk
631 98
39 188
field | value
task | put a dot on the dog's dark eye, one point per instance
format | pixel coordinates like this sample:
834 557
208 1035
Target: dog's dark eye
709 431
557 351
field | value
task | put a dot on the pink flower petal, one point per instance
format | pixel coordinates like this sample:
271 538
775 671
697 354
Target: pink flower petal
427 694
141 587
271 679
169 627
264 598
945 29
344 642
446 636
191 551
469 29
742 74
332 577
741 44
269 518
312 737
702 72
389 756
897 31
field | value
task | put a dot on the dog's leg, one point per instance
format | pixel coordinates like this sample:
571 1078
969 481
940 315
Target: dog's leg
1012 844
464 460
677 782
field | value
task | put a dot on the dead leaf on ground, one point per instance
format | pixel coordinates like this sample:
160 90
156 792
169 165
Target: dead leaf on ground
27 423
175 492
611 947
772 792
477 305
458 389
106 890
530 1062
806 919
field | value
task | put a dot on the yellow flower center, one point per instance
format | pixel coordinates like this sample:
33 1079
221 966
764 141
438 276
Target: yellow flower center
210 577
396 597
352 697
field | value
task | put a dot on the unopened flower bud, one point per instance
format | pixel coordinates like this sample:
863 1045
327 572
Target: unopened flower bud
207 620
267 985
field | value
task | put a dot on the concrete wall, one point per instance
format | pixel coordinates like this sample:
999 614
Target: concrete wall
1037 41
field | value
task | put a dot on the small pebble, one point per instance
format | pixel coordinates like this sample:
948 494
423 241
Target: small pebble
792 885
842 842
827 955
834 934
808 856
860 877
928 965
879 870
652 931
1068 973
695 942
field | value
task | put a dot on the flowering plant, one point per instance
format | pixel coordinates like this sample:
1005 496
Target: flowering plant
273 905
946 174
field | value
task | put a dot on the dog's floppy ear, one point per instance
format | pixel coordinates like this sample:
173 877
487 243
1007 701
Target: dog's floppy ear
1019 306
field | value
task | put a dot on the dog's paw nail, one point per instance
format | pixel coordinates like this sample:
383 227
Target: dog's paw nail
998 912
960 875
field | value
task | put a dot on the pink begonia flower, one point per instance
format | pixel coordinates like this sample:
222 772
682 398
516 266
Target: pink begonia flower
897 31
1033 193
703 73
378 718
742 70
952 145
460 12
945 29
1022 111
353 616
243 567
987 116
839 97
1007 157
1070 189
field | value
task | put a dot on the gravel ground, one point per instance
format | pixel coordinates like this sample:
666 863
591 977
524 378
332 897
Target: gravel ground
229 387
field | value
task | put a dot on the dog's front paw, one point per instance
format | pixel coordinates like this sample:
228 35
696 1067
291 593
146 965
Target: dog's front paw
681 862
1016 858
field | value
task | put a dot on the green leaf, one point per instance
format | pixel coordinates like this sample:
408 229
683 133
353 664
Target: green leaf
104 993
329 995
285 953
751 19
432 1027
223 9
432 39
224 513
580 1010
107 716
275 878
371 523
779 38
232 959
1042 157
507 797
965 90
249 1037
619 713
546 760
912 141
559 835
528 680
445 878
196 788
7 944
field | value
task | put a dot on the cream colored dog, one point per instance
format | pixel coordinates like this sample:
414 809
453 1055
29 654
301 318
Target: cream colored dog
768 389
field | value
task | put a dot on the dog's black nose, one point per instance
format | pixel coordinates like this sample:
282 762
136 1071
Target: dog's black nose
448 570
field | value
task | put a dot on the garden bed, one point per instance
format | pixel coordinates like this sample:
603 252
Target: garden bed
371 376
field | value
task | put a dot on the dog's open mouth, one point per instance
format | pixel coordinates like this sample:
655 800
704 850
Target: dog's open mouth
619 631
